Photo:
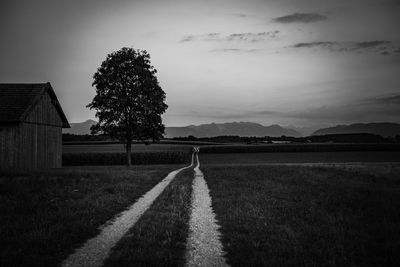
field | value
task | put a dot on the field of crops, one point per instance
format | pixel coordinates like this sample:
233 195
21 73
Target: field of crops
177 153
113 148
114 154
299 157
300 147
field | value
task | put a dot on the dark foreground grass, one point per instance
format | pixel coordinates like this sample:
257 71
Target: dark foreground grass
306 216
159 237
45 216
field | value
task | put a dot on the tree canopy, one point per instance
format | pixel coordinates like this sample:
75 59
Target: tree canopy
129 101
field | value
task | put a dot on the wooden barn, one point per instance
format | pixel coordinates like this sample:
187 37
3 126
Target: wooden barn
31 120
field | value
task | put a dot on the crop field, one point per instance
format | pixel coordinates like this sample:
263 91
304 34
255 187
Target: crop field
113 148
300 157
300 147
114 154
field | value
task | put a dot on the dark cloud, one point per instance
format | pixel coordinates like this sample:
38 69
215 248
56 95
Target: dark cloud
357 112
187 39
246 37
300 17
314 44
371 44
392 99
360 111
380 47
239 50
241 15
252 37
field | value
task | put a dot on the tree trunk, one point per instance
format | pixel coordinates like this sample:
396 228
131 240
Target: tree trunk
128 152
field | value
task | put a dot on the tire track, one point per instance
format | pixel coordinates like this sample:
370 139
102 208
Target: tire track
204 247
96 250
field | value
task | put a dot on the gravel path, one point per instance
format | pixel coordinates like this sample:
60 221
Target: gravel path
96 250
204 247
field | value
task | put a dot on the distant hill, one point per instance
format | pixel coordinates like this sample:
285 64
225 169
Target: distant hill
232 128
384 129
305 130
80 127
205 130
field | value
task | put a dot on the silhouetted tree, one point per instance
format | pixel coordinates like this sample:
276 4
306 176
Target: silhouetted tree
129 101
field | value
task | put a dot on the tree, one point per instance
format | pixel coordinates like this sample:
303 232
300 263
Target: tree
129 101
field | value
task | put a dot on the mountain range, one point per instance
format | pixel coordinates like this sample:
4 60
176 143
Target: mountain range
255 129
205 130
79 127
231 128
384 129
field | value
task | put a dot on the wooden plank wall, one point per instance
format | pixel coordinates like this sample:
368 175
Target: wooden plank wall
35 143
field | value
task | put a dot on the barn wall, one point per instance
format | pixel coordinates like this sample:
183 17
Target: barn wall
7 151
35 143
44 112
30 146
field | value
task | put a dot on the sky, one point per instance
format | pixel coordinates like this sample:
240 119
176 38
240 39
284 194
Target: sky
298 62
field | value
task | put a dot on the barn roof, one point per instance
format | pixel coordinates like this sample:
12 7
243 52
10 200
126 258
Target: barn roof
17 99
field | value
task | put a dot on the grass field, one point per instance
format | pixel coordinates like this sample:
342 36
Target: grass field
305 216
46 215
159 237
344 212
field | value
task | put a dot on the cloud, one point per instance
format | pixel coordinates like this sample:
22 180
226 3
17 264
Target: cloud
187 38
360 111
234 37
314 44
300 17
240 50
392 99
383 108
380 47
241 15
370 44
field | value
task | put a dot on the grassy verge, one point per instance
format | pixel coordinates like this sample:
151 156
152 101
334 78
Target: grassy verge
46 215
306 216
159 237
